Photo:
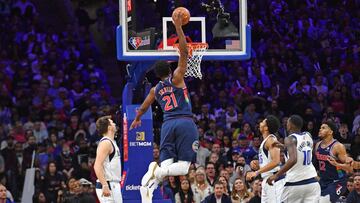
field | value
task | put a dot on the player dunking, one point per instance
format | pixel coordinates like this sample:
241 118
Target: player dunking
332 179
269 160
179 135
107 163
301 183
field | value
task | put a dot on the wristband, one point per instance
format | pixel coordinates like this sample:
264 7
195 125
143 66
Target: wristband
257 173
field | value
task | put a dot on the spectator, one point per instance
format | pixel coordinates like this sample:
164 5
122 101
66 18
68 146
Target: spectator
171 187
343 136
88 191
205 114
53 182
274 110
185 193
66 161
349 186
319 85
256 190
40 131
210 171
250 114
156 154
225 183
247 152
354 196
239 192
201 188
3 196
218 195
39 198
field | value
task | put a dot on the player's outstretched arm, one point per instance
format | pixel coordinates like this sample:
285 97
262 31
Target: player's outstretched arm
178 77
275 159
290 144
143 108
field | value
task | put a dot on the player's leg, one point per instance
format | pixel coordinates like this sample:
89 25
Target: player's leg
147 191
324 199
311 193
272 193
278 189
185 144
265 191
291 194
167 152
325 192
336 190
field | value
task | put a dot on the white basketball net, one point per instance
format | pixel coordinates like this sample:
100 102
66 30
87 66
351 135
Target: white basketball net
196 52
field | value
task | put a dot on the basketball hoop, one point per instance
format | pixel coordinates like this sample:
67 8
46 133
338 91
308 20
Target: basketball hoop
195 53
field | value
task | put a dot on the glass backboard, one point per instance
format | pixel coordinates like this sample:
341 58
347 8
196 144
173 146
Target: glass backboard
146 31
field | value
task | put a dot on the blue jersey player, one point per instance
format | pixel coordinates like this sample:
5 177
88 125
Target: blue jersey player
179 135
328 150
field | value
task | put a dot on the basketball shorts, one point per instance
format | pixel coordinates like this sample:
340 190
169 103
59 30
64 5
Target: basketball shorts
300 192
272 193
334 189
179 139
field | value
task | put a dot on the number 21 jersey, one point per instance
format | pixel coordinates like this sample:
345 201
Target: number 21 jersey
175 102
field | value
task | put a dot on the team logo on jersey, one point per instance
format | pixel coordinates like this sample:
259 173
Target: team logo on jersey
140 136
338 189
195 146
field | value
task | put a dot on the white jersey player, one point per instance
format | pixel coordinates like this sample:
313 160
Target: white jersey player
301 183
107 163
269 161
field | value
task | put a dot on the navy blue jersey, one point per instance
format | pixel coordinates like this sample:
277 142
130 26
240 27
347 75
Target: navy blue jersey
328 173
175 102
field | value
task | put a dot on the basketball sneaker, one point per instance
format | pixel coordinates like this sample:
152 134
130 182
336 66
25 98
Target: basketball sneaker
150 174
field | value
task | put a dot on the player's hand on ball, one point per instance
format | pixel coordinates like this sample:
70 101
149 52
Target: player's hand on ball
271 180
135 124
106 191
177 19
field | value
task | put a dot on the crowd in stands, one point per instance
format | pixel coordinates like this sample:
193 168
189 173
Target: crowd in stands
52 90
305 60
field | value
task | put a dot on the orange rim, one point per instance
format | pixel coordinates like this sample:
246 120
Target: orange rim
193 46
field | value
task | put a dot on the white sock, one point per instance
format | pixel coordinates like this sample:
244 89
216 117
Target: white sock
175 169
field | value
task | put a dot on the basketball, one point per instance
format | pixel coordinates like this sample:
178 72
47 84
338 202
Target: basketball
185 16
